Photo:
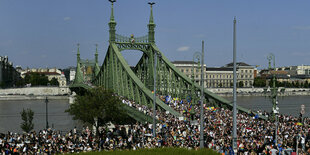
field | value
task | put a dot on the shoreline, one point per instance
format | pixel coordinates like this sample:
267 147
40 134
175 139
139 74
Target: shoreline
67 97
56 93
32 97
263 94
260 91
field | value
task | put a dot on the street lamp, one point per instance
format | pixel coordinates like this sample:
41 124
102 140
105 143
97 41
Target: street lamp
234 135
275 108
154 100
200 56
46 114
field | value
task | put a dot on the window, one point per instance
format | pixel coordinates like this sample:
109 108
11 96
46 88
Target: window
246 76
182 70
246 71
186 70
241 71
196 76
250 71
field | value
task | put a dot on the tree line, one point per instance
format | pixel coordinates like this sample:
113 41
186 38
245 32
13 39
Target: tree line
261 82
37 79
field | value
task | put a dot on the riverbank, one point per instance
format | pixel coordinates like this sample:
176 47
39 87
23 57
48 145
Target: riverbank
35 93
32 97
63 92
260 91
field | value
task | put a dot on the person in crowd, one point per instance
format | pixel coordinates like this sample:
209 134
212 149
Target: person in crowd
255 135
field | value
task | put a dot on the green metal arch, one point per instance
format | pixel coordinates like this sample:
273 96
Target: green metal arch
143 47
139 84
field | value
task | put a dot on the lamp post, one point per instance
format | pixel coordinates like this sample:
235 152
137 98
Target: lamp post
46 114
154 100
234 136
275 108
200 56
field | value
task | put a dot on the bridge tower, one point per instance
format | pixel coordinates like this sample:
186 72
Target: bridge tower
136 83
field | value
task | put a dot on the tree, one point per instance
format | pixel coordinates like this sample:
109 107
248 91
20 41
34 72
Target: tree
98 104
54 82
259 82
27 117
36 79
306 85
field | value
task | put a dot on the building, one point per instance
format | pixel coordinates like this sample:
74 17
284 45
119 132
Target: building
72 74
191 69
9 76
245 74
49 72
219 77
296 70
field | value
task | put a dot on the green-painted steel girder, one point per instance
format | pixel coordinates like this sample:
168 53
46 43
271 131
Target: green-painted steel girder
138 115
208 94
139 87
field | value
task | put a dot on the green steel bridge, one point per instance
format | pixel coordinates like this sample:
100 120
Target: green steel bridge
136 83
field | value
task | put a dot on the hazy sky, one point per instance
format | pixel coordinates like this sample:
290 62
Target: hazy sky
44 33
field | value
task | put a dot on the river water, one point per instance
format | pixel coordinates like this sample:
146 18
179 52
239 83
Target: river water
289 105
10 119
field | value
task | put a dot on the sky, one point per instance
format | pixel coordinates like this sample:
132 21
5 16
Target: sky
45 33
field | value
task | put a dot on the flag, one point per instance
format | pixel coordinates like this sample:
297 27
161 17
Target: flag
190 108
189 99
256 116
167 98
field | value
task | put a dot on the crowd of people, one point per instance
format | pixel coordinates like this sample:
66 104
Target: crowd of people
255 135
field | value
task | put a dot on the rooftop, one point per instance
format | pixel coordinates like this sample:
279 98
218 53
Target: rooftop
219 69
238 64
184 62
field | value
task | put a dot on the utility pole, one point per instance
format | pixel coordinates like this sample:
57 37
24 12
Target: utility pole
202 98
46 114
234 136
274 92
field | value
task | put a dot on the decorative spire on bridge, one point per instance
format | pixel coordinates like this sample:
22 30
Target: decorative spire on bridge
97 68
151 25
78 53
112 23
78 74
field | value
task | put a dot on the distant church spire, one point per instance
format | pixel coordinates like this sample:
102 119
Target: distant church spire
78 53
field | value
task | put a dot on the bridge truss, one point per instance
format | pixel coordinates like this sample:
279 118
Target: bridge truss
136 84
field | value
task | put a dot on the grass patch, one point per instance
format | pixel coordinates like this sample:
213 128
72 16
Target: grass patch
161 151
